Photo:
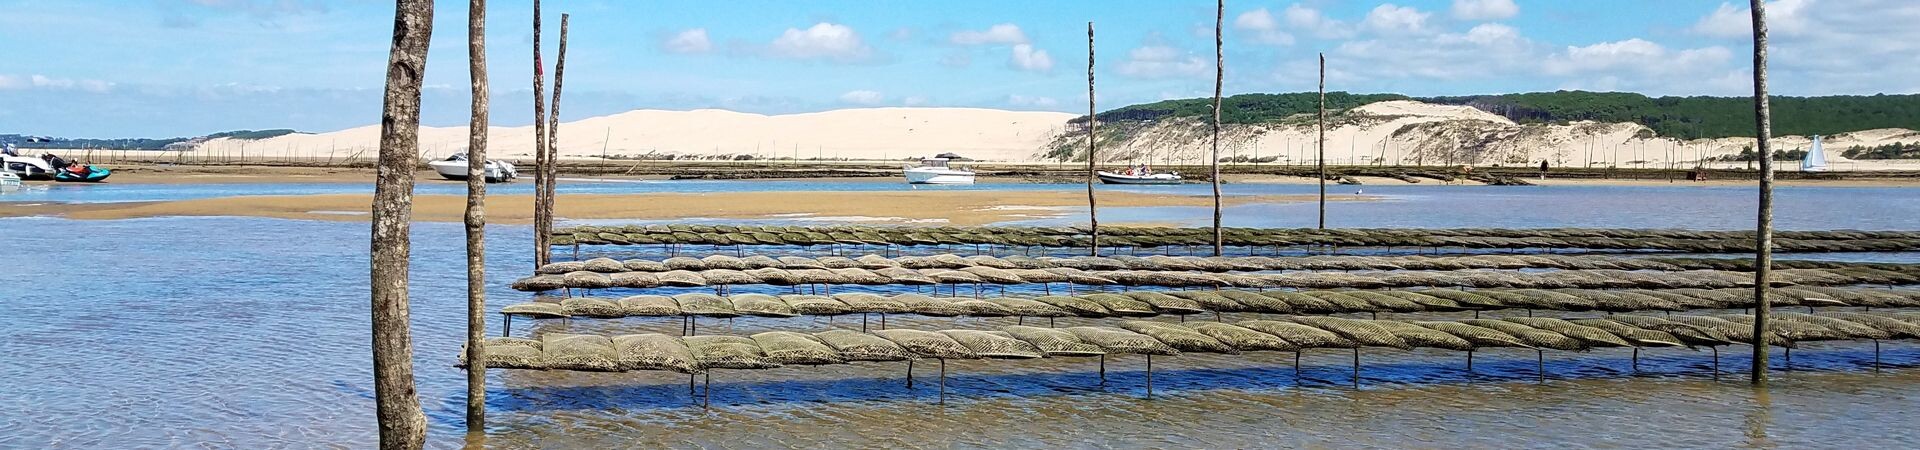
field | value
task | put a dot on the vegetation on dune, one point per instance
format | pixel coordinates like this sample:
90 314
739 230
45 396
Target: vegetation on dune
1897 150
1682 117
1702 117
1243 108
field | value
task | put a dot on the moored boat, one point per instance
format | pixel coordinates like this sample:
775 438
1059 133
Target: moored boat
1140 175
936 170
1816 160
455 168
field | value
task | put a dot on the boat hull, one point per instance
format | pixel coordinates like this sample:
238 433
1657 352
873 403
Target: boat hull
458 171
939 177
1114 178
93 175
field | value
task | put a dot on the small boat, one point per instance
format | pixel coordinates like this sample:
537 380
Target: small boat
9 182
1816 160
81 173
26 168
936 171
66 171
455 168
1140 175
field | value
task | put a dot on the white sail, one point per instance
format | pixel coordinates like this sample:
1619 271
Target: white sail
1816 160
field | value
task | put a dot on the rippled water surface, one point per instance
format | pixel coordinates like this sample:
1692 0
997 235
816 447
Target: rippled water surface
252 333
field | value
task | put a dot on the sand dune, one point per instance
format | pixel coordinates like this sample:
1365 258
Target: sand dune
865 133
1393 132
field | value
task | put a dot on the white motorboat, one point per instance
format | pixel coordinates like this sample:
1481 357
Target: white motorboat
9 182
1140 175
937 171
455 168
26 167
1816 160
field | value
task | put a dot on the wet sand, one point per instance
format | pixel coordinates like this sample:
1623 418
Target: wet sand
945 207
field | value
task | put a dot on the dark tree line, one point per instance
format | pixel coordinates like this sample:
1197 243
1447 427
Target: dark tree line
1897 150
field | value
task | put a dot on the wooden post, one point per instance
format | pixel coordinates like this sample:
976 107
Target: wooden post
1093 209
476 220
402 424
1219 75
553 129
541 253
1763 232
1322 159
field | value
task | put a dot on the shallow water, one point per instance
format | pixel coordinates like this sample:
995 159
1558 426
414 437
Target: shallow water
244 332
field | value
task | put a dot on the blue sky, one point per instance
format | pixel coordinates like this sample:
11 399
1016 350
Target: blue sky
102 68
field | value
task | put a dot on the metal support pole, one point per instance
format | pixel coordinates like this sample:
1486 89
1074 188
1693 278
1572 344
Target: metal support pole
1356 367
1540 366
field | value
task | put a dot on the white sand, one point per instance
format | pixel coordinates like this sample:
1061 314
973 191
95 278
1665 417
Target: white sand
1394 132
866 133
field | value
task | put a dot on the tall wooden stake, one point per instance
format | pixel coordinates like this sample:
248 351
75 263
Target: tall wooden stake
1093 211
542 251
1763 232
553 129
476 219
1322 159
1219 74
402 424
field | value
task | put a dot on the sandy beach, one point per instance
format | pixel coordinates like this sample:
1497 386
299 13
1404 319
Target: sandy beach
954 207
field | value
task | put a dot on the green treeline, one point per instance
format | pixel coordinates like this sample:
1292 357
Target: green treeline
1243 108
1682 117
1897 150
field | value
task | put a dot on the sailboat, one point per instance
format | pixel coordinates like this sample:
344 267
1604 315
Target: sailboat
1816 160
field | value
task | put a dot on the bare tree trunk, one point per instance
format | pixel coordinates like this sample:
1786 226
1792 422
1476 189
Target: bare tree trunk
1763 233
476 218
553 129
1323 141
1219 75
542 250
1093 210
402 425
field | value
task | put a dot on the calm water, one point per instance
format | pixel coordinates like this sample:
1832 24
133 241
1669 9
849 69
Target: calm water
251 333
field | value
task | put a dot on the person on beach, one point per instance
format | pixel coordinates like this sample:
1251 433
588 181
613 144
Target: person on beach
1543 169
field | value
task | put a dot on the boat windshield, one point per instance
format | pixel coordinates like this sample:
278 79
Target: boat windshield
933 162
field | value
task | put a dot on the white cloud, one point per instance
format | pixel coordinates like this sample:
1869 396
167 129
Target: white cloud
1160 61
1002 34
1309 19
1390 19
1784 17
1491 33
9 82
822 41
1480 10
1265 28
916 100
1635 55
1036 102
863 97
1030 59
689 41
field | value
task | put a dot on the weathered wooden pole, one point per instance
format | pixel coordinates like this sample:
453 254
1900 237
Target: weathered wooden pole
476 219
541 251
552 168
1093 209
1322 159
1763 232
1219 74
402 424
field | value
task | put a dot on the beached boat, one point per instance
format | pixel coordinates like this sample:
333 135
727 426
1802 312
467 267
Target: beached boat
455 168
937 171
50 167
27 168
1140 175
9 182
1816 160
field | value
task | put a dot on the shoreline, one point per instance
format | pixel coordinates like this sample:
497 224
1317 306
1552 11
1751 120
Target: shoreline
1023 173
954 207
